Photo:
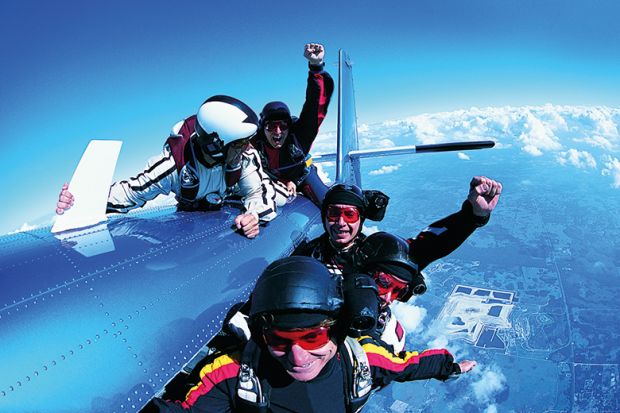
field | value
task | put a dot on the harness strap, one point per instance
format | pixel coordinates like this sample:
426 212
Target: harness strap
360 386
362 376
250 392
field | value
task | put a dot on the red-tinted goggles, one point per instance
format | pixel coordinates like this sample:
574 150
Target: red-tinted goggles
388 283
349 214
275 124
306 338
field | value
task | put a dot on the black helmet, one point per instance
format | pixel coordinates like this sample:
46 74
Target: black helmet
296 292
221 120
391 254
275 111
372 204
345 194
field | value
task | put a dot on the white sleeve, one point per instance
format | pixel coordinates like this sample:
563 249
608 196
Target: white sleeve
260 195
159 177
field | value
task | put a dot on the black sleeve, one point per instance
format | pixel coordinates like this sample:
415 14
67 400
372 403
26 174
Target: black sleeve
444 236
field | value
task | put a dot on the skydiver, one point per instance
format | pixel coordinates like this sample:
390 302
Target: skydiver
193 163
300 351
284 142
346 207
385 257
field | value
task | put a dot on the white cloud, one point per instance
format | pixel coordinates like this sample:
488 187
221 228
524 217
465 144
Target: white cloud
370 230
612 168
537 129
427 129
463 156
597 141
385 169
492 408
367 143
322 173
440 341
409 315
489 383
324 143
25 227
579 159
537 135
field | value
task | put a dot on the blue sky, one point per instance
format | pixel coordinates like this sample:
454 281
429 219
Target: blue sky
75 71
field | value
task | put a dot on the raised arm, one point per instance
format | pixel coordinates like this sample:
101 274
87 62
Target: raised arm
446 235
319 91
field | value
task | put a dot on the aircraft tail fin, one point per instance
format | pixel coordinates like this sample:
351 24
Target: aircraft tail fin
348 154
347 168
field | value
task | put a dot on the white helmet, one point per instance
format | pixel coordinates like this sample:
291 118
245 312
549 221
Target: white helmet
223 119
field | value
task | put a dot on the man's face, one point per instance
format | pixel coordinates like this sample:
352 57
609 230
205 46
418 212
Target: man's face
343 223
391 288
276 132
294 350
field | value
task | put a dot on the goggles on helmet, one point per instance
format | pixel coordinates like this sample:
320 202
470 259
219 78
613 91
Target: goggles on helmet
350 214
388 283
271 126
310 338
209 142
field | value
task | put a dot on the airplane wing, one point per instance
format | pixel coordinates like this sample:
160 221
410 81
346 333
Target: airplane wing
101 320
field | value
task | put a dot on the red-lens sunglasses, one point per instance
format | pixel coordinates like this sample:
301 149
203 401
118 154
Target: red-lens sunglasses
273 125
349 214
306 338
388 283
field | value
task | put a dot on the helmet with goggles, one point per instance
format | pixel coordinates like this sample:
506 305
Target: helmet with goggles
345 194
222 120
389 254
371 204
299 292
275 112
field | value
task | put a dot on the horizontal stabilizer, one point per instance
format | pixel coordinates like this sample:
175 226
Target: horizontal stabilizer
455 146
402 150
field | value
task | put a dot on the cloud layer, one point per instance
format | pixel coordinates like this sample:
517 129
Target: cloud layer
385 169
584 137
488 383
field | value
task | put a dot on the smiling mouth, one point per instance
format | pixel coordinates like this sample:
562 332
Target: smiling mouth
341 232
303 367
